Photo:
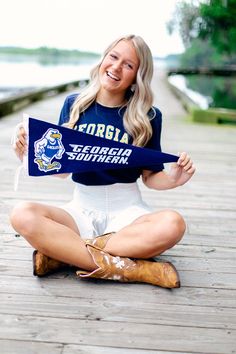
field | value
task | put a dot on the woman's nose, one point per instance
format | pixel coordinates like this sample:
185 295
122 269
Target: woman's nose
117 65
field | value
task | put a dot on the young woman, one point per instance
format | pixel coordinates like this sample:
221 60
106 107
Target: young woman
107 230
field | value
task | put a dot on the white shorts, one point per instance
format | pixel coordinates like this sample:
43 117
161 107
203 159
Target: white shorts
101 209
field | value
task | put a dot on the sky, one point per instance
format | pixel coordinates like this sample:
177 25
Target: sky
89 25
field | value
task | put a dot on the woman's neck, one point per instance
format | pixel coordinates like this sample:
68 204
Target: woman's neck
110 100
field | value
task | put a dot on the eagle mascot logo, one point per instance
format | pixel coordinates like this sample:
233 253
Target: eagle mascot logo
47 148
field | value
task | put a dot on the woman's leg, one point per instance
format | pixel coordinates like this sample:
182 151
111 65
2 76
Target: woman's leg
53 232
148 236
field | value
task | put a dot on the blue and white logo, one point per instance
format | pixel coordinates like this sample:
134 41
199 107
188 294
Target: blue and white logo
47 148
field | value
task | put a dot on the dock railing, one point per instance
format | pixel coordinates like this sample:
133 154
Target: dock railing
16 102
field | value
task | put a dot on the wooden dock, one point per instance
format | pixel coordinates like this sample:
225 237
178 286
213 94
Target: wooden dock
61 314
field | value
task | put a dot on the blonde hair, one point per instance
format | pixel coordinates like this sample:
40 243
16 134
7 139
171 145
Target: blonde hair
139 109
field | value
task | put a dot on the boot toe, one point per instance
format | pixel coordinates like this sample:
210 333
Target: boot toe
173 276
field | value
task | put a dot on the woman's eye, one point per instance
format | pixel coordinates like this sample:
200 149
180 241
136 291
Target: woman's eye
113 56
129 66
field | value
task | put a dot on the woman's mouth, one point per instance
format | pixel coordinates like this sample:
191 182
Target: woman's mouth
112 76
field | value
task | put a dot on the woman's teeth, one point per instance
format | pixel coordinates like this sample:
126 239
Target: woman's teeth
112 76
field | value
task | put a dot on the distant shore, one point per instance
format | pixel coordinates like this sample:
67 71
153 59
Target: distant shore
47 52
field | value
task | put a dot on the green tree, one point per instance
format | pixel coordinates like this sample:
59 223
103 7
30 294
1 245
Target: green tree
213 20
200 53
219 24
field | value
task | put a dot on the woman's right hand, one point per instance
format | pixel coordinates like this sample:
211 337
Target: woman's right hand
20 146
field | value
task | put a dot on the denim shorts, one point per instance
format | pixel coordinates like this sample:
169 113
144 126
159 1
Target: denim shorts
101 209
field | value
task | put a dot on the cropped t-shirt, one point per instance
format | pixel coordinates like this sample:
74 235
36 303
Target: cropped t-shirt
107 122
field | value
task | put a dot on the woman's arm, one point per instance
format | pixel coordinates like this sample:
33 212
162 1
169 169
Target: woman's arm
179 174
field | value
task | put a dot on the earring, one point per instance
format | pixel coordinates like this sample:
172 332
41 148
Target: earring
133 87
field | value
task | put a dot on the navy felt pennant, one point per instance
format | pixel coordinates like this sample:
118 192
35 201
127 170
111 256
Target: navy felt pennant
56 149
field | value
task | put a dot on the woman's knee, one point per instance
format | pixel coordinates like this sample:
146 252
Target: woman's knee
23 217
169 225
175 225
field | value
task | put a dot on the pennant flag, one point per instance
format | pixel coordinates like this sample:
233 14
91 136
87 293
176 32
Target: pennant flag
55 149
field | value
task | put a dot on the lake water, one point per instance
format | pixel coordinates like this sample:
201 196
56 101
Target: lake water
208 91
16 76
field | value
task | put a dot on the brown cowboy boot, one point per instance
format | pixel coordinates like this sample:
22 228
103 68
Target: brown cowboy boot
125 269
43 265
100 241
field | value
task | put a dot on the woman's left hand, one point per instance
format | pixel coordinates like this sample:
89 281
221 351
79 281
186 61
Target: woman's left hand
183 170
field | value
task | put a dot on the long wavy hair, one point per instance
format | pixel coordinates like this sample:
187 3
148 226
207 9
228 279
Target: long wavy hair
139 101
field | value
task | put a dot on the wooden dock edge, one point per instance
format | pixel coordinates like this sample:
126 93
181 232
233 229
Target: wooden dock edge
19 101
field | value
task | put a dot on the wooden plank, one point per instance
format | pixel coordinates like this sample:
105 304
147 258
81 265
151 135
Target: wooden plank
135 311
13 347
210 240
67 285
208 280
210 229
198 279
196 251
81 349
105 333
29 347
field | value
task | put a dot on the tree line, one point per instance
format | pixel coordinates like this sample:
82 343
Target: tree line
208 32
47 52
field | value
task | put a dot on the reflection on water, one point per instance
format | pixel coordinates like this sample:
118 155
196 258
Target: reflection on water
220 90
18 76
214 91
180 82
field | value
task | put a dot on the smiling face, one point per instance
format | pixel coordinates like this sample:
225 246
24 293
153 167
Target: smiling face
118 70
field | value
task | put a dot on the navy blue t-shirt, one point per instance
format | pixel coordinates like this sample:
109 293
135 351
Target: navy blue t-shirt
107 122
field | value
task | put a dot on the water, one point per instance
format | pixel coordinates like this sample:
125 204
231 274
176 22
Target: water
17 76
208 91
180 82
